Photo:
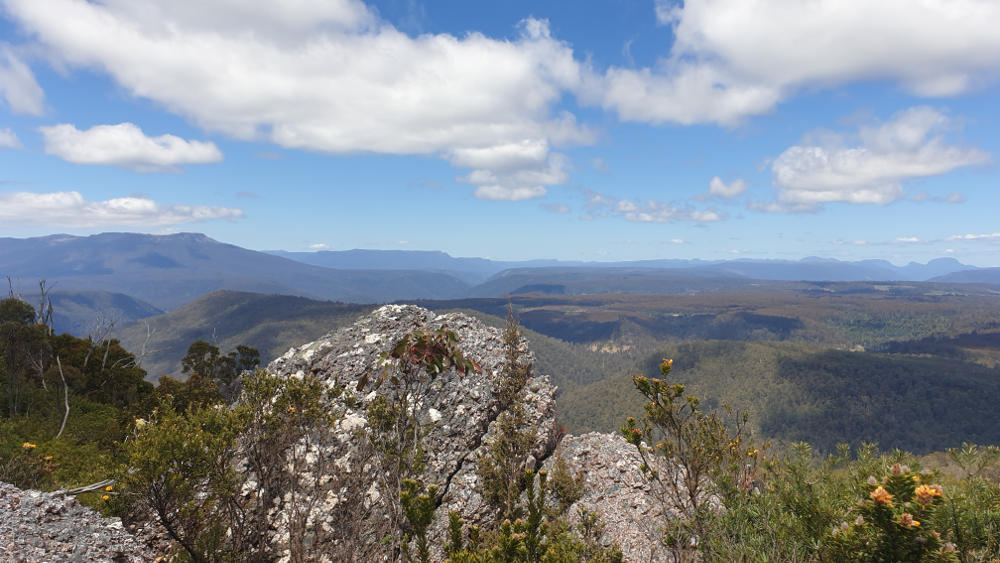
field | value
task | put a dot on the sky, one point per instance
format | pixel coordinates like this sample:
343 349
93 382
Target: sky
595 130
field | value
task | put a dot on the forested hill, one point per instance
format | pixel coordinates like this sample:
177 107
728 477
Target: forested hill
269 323
831 366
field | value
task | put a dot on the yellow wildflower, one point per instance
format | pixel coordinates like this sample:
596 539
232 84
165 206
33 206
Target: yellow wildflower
28 445
105 497
881 496
108 488
926 494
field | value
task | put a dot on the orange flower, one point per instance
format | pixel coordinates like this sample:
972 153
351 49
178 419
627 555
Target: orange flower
926 494
881 496
906 520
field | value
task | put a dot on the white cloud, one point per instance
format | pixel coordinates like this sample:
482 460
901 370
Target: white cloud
17 84
319 246
648 211
972 236
906 239
329 77
555 207
71 210
733 58
526 153
872 169
125 145
515 183
9 140
716 187
953 197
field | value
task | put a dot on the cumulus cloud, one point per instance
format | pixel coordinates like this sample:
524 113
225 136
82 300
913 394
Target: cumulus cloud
330 77
518 182
871 166
17 84
648 211
718 188
9 140
733 58
72 210
125 145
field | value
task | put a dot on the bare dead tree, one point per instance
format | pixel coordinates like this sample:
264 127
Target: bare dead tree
141 355
11 292
65 397
99 334
44 316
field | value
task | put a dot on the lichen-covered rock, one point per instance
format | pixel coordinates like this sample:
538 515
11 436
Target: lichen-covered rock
37 526
616 490
459 411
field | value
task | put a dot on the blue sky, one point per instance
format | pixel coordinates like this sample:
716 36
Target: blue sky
599 130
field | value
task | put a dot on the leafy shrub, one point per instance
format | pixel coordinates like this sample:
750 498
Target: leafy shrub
894 522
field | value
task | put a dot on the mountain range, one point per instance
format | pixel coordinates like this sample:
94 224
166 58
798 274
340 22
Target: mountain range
479 270
168 271
165 272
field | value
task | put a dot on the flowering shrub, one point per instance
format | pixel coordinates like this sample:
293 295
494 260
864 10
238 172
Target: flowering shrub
26 469
892 523
692 459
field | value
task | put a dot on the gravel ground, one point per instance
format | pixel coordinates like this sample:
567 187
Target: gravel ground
40 527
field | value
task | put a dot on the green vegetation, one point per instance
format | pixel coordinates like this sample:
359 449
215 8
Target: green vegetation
822 376
729 504
68 401
210 475
269 323
688 455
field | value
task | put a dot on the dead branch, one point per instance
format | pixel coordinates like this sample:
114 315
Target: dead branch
65 398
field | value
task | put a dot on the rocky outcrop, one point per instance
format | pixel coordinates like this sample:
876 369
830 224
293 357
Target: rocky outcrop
37 526
458 410
342 489
616 490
